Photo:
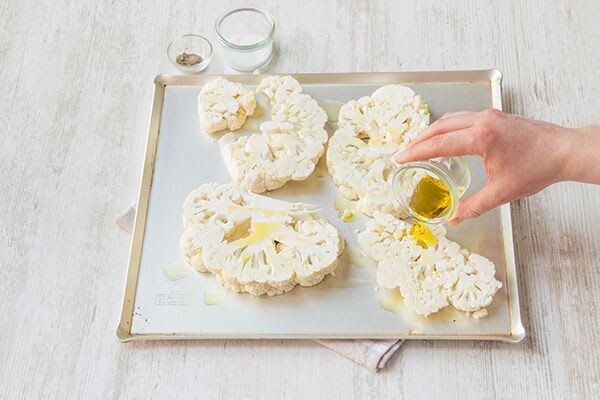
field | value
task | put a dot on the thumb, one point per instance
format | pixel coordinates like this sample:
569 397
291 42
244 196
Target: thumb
478 203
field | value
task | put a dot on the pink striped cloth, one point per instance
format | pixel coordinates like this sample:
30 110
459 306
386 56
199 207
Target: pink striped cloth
372 354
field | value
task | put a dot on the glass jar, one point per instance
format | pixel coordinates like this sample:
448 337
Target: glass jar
452 175
246 36
196 44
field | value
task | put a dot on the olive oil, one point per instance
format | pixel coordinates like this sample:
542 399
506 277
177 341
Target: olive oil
422 235
212 297
391 301
429 191
430 198
177 271
260 231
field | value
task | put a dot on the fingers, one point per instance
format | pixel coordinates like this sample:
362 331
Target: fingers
456 143
448 123
456 114
480 202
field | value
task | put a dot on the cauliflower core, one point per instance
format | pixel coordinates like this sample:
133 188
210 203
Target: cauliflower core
428 278
371 130
224 105
256 244
288 147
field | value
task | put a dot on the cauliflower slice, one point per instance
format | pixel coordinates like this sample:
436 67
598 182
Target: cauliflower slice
371 130
256 244
476 285
428 278
288 147
423 291
223 104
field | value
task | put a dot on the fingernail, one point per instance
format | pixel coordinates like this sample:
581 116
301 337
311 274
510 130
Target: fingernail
399 156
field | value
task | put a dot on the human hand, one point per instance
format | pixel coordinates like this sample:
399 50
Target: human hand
521 156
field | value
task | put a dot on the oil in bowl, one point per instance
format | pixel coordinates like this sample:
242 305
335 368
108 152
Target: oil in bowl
430 190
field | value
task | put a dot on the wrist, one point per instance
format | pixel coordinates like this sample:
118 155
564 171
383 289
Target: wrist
566 153
579 154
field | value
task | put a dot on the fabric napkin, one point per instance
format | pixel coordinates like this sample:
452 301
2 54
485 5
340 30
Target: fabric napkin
372 354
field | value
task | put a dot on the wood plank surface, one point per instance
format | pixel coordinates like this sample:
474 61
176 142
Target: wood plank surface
76 93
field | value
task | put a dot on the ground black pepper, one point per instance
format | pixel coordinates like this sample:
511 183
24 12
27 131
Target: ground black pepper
188 59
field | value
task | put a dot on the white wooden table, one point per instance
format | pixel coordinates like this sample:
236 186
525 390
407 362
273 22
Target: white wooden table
76 93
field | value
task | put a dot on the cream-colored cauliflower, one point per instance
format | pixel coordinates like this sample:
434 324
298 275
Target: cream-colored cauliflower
288 147
476 284
223 104
371 130
278 88
257 244
428 278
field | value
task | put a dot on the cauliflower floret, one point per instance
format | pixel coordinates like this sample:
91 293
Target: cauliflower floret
356 115
371 130
428 278
479 314
288 147
303 111
424 289
257 244
476 285
361 173
191 244
213 203
383 237
278 88
224 105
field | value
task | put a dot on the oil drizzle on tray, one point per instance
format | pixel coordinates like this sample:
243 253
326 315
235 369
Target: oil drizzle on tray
321 168
342 204
177 271
357 259
212 297
345 283
391 301
447 314
332 108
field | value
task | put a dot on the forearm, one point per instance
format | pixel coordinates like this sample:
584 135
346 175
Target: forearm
582 155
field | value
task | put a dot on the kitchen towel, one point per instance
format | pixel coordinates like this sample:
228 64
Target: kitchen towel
372 354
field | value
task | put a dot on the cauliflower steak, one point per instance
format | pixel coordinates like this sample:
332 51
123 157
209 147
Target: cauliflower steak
371 130
257 244
429 278
223 104
288 147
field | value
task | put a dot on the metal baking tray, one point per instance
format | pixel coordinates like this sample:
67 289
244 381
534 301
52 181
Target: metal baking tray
179 157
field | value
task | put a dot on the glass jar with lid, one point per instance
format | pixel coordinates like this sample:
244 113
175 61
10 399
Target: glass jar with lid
246 37
429 191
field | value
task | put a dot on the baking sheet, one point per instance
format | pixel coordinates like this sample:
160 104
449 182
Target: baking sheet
180 157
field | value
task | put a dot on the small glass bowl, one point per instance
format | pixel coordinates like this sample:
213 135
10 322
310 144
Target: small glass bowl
453 172
246 35
196 44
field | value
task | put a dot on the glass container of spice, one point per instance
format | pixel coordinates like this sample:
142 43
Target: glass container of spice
246 36
190 53
430 190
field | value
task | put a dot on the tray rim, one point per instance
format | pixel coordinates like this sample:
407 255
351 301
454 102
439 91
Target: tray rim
493 76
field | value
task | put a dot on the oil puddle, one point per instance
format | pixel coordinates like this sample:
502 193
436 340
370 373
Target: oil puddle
177 271
332 108
342 204
346 283
391 301
212 297
357 259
